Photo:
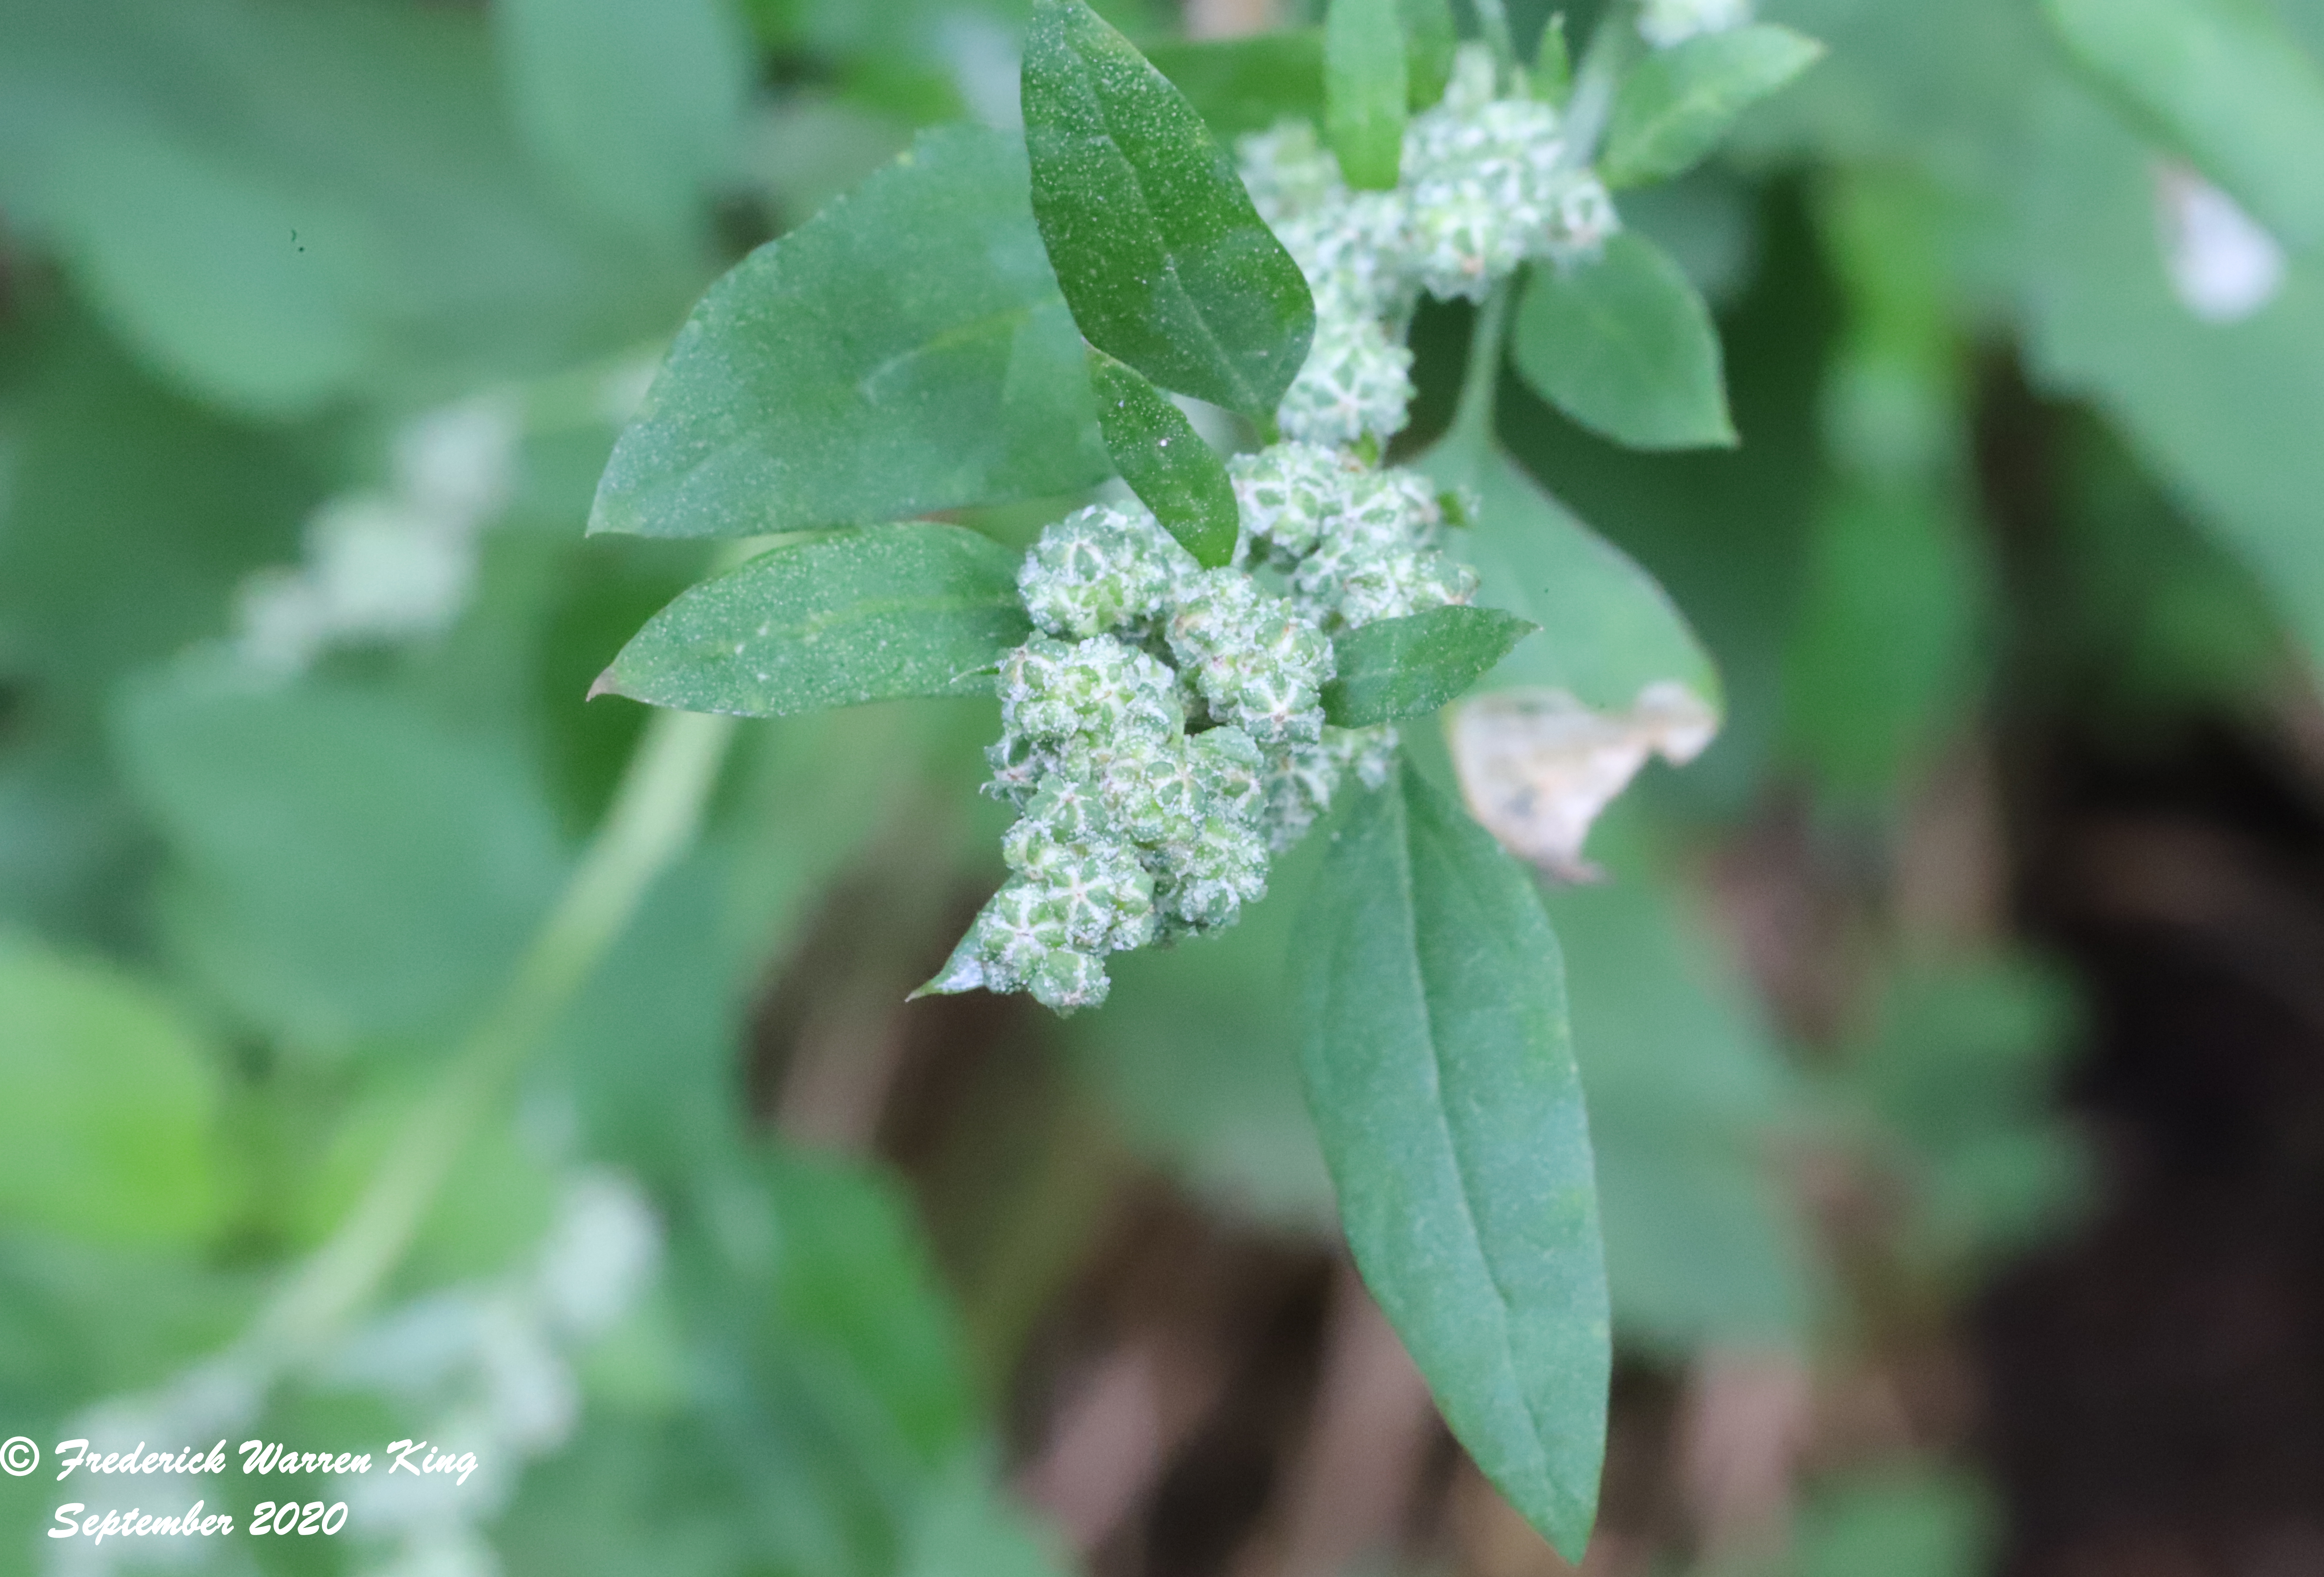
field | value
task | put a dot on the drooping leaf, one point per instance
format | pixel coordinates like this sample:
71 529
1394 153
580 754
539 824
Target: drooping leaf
1624 346
106 1133
1441 1079
632 104
1678 103
906 350
832 621
2226 82
1364 87
1165 462
1615 675
1247 84
343 868
1411 667
1164 261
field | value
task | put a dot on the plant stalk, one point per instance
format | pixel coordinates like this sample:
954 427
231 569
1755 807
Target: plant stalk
653 818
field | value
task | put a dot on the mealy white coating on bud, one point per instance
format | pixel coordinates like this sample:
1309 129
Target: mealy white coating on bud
1665 22
1258 662
1100 570
1289 493
1134 830
1379 558
1356 383
1301 780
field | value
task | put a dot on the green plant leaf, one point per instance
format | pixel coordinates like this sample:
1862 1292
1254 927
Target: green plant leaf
906 350
1624 346
1364 87
1674 108
1164 261
1608 631
288 209
107 1132
1553 63
1247 84
1441 1079
832 621
1430 38
2225 82
632 104
344 868
1165 462
2219 412
1411 667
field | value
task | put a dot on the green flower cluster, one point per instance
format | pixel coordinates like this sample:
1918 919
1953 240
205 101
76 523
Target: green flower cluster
1163 733
1485 185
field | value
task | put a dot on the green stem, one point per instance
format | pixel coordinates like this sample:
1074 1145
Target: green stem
654 816
1472 432
1493 20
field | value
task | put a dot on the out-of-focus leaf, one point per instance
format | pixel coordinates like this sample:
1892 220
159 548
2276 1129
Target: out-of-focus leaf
128 515
1430 37
1900 1524
1624 346
832 621
344 868
1163 259
1410 667
1197 1057
1165 462
1440 1074
1364 87
283 206
904 351
1570 716
1608 631
108 1131
1688 1099
1553 63
1886 650
853 1286
1679 103
2226 82
2222 412
1960 1071
633 104
1248 84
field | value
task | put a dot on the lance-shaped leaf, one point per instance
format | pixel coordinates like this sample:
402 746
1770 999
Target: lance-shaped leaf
1364 86
1163 259
1440 1075
1430 39
1680 102
905 350
832 621
1165 462
2226 82
1624 346
1411 667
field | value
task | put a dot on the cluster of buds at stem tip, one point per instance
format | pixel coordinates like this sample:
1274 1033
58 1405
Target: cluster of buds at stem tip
1163 731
